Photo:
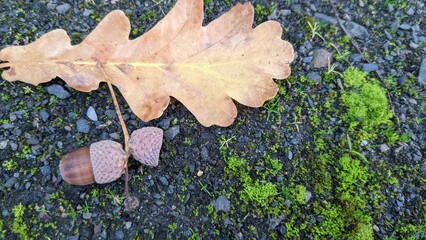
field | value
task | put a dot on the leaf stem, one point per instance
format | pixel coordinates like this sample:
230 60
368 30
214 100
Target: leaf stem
123 125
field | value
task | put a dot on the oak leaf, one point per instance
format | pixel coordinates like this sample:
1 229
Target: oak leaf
204 67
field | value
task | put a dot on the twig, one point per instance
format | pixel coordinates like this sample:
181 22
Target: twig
123 125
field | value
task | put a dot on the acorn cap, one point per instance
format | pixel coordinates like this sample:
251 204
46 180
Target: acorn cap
145 145
108 160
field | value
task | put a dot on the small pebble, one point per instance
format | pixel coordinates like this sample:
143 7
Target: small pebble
91 114
384 148
45 170
165 123
222 204
58 91
63 8
119 234
321 58
3 144
171 133
10 182
44 115
83 126
164 181
308 196
87 215
290 155
405 26
369 67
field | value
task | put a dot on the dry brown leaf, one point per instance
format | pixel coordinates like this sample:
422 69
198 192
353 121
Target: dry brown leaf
202 67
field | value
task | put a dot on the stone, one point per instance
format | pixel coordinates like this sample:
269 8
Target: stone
290 155
405 26
171 133
91 114
296 141
369 67
384 148
63 8
8 126
58 91
308 196
314 76
83 126
87 215
119 234
3 144
87 12
274 222
164 181
321 58
165 123
45 170
97 229
285 12
422 73
13 146
205 155
410 11
111 114
32 141
222 204
44 115
356 30
322 18
10 182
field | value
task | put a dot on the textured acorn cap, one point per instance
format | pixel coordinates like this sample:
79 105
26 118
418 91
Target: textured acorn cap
108 160
145 145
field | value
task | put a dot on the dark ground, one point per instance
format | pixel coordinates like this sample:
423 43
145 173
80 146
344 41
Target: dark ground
279 172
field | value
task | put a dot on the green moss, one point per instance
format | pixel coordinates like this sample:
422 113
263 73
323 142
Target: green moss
332 224
350 174
362 231
366 104
2 232
261 12
19 226
10 165
259 193
300 194
237 167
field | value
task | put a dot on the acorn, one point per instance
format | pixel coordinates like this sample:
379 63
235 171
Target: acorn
145 145
102 162
105 161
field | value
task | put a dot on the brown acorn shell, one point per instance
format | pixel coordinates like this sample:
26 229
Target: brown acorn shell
76 167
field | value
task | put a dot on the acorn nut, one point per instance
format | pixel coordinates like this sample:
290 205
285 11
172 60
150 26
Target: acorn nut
102 162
